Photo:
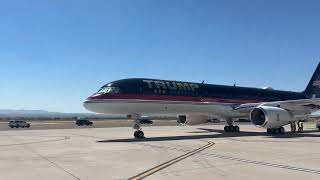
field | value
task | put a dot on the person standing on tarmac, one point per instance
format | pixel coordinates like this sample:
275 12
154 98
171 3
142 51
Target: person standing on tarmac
300 126
293 127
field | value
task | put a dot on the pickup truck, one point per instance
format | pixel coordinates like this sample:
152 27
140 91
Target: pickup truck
82 122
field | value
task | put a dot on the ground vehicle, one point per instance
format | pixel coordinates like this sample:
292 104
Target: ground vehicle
18 124
146 121
82 122
318 125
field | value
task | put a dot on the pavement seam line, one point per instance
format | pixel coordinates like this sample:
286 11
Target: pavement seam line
35 142
164 165
45 158
51 162
56 165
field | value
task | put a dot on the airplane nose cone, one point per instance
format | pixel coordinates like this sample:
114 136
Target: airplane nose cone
89 105
88 102
86 105
92 104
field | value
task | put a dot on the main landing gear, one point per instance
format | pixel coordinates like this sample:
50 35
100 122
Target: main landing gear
279 130
137 126
231 128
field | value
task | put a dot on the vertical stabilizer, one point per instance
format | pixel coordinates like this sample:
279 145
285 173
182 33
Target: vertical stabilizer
313 88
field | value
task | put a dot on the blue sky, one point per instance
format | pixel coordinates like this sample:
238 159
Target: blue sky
55 53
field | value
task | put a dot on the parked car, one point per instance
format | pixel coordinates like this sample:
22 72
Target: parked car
318 125
82 122
18 124
146 121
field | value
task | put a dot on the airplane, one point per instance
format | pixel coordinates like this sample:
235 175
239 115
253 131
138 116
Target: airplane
195 103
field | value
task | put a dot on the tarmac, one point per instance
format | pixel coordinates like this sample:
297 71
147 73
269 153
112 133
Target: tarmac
168 152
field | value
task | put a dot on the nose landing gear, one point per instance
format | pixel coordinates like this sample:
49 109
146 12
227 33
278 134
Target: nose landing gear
137 126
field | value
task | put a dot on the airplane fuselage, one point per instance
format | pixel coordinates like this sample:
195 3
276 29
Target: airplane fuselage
152 96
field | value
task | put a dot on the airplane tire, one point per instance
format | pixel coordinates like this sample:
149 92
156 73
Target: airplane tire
269 131
135 134
138 134
237 129
273 131
282 130
226 128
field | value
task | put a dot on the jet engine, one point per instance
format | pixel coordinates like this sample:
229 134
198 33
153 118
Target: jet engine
191 120
270 117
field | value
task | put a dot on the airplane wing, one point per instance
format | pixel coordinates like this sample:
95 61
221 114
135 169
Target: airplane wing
297 107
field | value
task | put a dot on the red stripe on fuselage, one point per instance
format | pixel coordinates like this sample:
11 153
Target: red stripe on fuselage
170 98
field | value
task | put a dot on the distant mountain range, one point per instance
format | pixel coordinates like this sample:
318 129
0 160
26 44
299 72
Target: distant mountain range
9 113
22 113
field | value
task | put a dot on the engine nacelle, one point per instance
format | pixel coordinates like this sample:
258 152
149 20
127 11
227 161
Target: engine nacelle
191 120
270 117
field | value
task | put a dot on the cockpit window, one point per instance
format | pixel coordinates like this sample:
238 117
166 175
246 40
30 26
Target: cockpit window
111 90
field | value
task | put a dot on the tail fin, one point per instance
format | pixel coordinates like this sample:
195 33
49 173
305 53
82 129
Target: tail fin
313 88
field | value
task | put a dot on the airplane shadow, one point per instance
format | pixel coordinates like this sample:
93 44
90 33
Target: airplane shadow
306 133
221 134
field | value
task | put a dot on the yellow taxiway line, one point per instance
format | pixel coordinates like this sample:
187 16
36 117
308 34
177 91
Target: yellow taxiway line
170 162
